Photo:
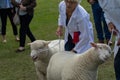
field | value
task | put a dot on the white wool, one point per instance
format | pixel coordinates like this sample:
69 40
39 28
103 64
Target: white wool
70 66
41 52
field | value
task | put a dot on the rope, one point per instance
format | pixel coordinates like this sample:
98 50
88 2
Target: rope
111 37
59 43
118 35
111 40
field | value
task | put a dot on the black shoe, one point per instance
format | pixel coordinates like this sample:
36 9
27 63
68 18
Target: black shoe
19 50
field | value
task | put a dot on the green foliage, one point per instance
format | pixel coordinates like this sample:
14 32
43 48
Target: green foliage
19 66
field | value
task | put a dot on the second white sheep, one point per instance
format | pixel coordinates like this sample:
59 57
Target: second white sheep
69 66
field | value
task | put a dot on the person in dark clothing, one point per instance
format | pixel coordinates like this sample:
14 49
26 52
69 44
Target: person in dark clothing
26 12
7 10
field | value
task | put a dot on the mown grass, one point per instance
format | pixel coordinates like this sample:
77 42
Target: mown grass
15 66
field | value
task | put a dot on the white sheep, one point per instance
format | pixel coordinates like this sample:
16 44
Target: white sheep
41 51
70 66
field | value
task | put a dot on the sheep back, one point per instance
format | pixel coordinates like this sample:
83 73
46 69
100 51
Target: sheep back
69 66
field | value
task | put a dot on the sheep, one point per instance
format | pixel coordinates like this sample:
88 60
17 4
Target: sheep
67 65
41 51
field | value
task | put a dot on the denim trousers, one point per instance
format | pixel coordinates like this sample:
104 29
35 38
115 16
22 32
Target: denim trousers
117 65
100 23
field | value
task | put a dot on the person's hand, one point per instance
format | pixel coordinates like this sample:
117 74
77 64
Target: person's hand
111 27
91 1
12 10
118 43
74 51
23 8
59 31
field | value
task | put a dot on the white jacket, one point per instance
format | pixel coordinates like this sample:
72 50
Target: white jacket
79 21
111 10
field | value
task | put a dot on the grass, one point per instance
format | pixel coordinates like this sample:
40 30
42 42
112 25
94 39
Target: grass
15 66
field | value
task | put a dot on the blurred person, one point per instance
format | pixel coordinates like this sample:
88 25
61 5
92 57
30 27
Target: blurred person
0 25
111 10
26 12
6 9
100 23
78 28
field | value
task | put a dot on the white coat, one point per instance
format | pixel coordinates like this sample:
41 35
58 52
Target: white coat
111 10
79 21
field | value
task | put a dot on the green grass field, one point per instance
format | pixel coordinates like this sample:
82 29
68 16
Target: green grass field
19 66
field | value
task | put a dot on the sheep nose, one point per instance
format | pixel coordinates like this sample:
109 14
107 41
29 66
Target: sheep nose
34 58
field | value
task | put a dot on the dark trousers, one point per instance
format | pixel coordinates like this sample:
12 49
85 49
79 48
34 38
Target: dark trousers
3 14
25 30
100 23
117 65
69 44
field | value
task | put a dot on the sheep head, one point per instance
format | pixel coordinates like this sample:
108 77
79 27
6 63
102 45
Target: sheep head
38 49
103 50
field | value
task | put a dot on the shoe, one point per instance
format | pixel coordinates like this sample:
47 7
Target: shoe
4 38
4 41
108 42
20 50
17 38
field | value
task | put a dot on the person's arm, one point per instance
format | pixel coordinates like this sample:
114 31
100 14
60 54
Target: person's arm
111 26
14 3
59 31
31 5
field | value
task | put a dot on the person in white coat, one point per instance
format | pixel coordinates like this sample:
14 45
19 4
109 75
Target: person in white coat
111 10
78 28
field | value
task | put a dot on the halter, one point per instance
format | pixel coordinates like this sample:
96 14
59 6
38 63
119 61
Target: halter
46 49
111 37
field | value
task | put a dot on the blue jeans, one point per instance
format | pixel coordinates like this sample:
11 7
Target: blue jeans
117 65
100 24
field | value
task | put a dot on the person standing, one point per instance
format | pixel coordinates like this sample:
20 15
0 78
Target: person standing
6 9
78 28
100 23
111 9
26 12
0 25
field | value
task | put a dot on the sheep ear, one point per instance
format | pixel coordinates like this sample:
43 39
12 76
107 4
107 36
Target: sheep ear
46 42
93 44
